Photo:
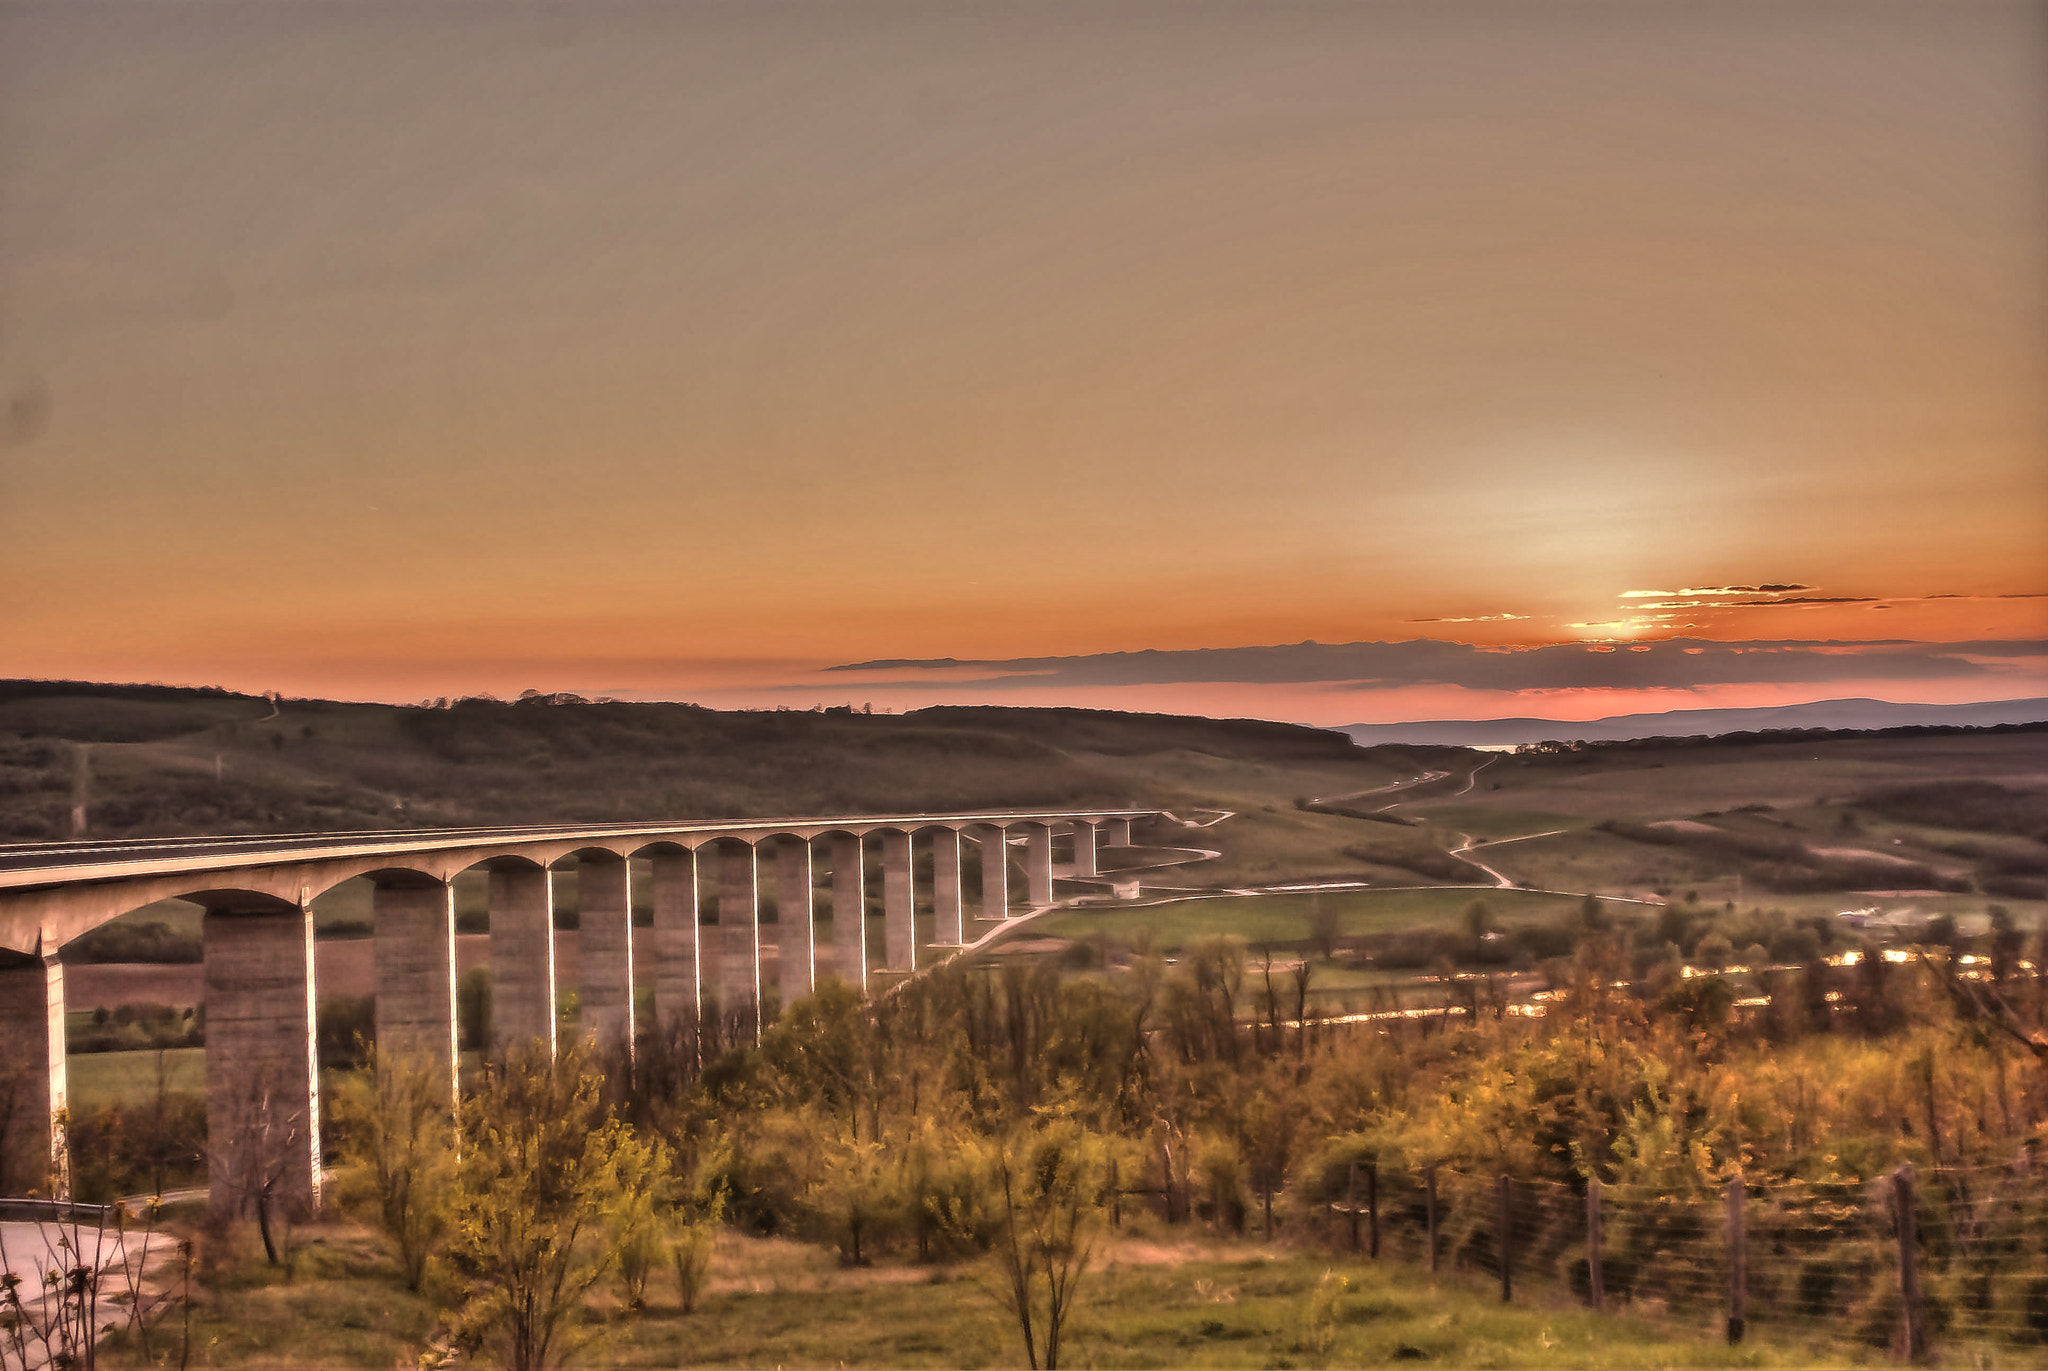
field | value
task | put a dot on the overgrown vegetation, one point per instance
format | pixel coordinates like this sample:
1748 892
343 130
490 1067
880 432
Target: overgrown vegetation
1001 1111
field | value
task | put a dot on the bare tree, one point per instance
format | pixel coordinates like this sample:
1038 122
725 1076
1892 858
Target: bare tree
1048 1193
1325 926
265 1149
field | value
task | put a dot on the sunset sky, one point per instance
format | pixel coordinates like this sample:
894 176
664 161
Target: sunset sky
1630 355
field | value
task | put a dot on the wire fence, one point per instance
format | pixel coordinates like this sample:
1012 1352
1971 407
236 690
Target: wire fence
1950 1257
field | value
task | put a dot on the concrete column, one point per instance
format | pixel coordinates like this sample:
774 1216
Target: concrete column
1084 848
1038 865
796 969
414 958
946 899
850 910
522 958
262 1079
995 873
899 905
739 932
604 894
675 937
1116 833
32 1085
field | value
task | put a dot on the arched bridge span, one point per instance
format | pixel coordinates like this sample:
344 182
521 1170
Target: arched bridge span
704 945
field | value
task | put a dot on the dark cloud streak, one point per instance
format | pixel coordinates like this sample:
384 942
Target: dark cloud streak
1678 663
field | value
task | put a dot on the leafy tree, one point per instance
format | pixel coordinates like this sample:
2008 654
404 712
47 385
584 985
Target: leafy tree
398 1121
698 1206
857 1192
1478 921
546 1175
690 1243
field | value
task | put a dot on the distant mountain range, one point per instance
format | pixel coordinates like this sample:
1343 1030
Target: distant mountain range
1693 723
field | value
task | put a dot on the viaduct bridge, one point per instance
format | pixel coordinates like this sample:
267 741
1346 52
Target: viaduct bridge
262 1075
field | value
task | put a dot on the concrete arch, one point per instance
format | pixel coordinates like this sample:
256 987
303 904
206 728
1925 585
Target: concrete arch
238 900
658 847
405 877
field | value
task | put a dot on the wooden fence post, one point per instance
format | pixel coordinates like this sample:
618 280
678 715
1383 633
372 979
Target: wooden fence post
1429 1196
1351 1202
1372 1206
1596 1275
1166 1175
1116 1197
1903 1206
1505 1239
1738 1259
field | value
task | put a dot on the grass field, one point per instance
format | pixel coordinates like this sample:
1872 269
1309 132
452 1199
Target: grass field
1165 1298
1285 918
97 1079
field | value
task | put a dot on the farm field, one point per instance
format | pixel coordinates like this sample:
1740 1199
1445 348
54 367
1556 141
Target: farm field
1650 782
99 1079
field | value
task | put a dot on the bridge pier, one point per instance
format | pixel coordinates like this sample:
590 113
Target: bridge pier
850 910
946 895
32 1080
1084 848
1038 864
995 872
262 1076
414 963
1116 832
604 898
674 938
899 902
795 967
739 934
522 903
